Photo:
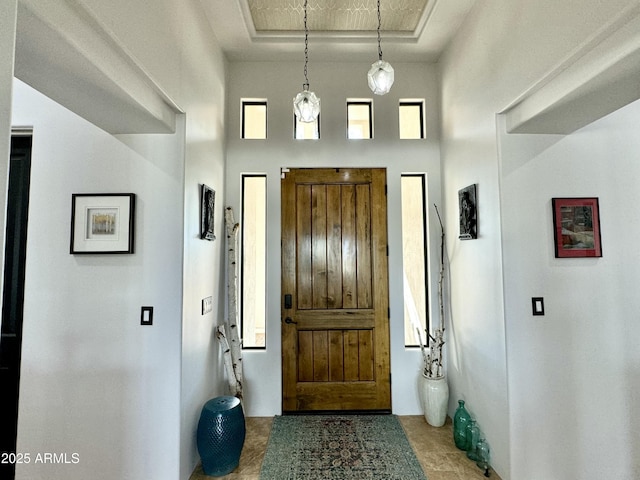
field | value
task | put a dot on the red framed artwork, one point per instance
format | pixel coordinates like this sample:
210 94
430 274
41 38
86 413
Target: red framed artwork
576 227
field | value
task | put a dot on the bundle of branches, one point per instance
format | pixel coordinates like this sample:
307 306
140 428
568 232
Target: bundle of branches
432 354
228 333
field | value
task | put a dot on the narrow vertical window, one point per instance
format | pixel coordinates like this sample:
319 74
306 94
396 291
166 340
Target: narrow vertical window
254 119
411 119
359 123
254 261
414 257
306 130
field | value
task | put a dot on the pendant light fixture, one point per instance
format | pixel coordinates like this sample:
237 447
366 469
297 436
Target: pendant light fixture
306 105
380 75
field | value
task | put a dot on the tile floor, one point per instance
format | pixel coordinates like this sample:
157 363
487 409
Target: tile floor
434 447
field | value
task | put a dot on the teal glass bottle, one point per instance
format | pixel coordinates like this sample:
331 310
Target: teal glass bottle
483 456
461 420
473 437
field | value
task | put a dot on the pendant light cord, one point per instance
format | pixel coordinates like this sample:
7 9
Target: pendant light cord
305 86
379 23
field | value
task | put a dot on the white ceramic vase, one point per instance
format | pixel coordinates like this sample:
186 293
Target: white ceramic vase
434 395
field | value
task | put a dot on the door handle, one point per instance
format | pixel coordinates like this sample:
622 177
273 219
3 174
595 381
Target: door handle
290 321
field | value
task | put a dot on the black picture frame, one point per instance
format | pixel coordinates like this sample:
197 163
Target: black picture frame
102 223
468 205
207 210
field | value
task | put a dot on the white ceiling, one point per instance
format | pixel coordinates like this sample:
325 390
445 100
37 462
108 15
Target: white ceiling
339 30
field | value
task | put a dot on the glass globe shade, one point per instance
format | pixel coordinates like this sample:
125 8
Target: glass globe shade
380 77
306 106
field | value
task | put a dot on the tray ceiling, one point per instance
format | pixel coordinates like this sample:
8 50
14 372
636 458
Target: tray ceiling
336 15
272 30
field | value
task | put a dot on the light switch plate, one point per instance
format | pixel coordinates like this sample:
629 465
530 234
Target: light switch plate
537 305
146 316
207 305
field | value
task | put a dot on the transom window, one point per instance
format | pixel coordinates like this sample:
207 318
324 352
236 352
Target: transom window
411 119
306 130
359 119
254 119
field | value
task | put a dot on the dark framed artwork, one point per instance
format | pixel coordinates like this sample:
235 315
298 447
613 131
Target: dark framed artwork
576 227
207 208
467 202
102 223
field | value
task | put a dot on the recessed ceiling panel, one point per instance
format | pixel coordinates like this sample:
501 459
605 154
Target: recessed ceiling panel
336 15
271 30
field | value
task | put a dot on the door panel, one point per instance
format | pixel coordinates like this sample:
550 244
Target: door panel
334 263
13 294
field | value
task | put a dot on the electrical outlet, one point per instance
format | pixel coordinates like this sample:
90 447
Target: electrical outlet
207 305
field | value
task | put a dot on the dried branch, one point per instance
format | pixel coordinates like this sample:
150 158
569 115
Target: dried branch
234 385
231 343
441 276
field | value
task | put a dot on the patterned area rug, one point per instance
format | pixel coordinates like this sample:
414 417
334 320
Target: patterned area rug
327 447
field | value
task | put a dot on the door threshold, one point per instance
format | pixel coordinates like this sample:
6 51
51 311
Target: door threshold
337 412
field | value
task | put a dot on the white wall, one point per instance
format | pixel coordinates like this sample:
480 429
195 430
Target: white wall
333 83
525 380
93 380
574 373
133 412
8 15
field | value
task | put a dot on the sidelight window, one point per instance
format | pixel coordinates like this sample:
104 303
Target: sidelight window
254 261
414 257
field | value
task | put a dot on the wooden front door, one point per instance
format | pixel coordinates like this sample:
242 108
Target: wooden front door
335 301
